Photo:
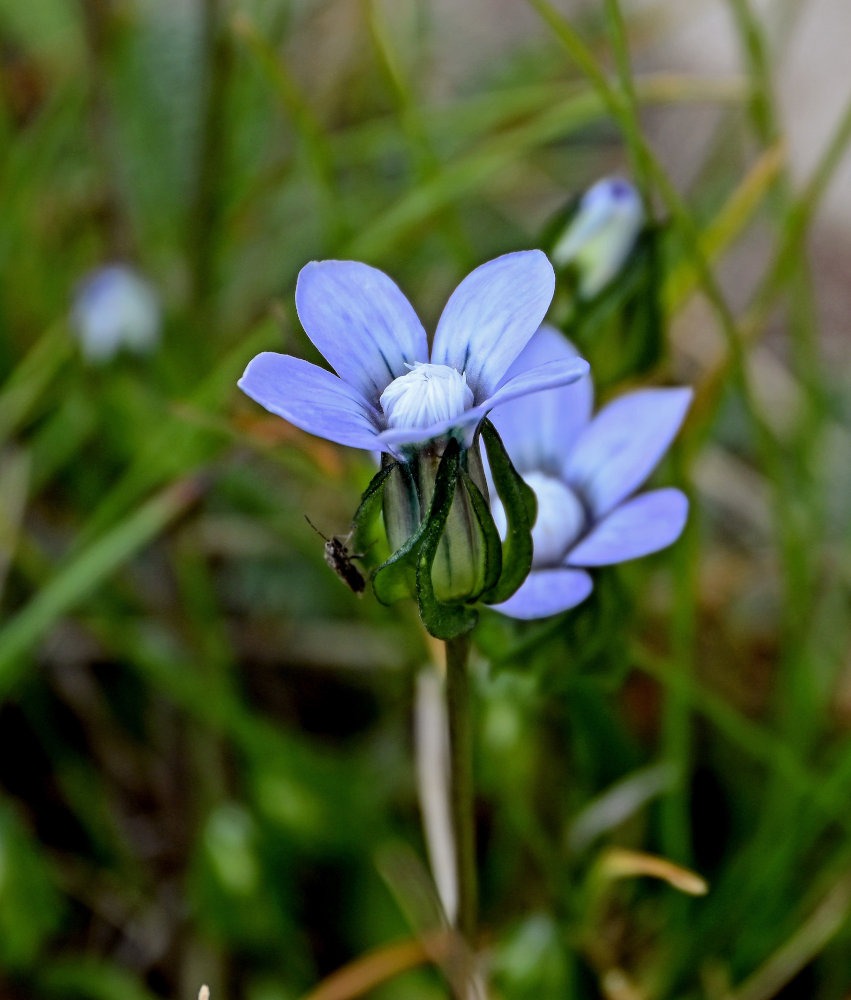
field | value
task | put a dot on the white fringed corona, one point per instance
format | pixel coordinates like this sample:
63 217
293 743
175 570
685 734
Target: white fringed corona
560 521
428 394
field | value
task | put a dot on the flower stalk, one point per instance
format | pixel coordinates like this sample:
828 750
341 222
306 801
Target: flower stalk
461 782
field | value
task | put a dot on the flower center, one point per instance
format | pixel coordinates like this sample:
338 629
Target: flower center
560 520
428 394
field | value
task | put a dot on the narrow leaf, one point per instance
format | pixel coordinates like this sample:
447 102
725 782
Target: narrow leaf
83 573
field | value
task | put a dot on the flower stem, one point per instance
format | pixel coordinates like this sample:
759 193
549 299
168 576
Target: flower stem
461 781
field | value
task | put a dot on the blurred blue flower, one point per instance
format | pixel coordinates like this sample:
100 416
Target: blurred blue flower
583 471
390 394
600 235
114 309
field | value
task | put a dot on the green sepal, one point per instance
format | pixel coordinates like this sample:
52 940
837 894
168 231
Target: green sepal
370 503
520 506
401 504
443 621
396 578
491 544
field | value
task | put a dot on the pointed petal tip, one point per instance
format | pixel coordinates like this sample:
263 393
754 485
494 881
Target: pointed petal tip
681 398
305 273
259 361
527 258
327 264
550 375
684 392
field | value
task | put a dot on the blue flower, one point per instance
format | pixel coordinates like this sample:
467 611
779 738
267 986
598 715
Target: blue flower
115 309
389 393
601 234
584 472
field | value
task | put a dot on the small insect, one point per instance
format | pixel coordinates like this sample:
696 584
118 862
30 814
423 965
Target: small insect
340 560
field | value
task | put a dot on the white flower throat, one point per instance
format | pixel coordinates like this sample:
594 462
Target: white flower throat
560 521
428 394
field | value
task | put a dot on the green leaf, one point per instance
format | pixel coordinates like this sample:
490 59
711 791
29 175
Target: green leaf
520 512
28 383
83 573
30 906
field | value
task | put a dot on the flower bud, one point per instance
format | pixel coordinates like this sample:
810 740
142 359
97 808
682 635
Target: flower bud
446 550
114 308
601 235
458 570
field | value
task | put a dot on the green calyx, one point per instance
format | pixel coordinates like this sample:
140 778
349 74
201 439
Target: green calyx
447 552
521 509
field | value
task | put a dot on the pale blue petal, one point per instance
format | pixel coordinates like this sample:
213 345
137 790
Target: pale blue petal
361 322
491 316
549 344
547 592
539 429
622 445
311 398
552 375
645 524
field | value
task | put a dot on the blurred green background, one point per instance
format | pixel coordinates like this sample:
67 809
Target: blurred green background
205 740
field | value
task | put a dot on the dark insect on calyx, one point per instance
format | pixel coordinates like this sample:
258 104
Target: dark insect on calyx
339 559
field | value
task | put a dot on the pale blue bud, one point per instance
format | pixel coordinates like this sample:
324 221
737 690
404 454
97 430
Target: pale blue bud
115 309
601 234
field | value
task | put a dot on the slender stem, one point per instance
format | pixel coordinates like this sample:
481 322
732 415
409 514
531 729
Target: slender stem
461 781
